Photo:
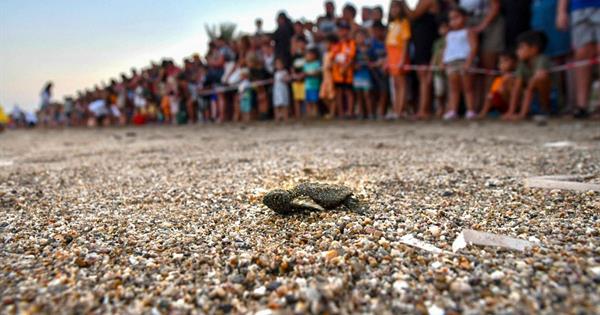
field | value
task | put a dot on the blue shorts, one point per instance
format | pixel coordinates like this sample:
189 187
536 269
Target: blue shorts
312 96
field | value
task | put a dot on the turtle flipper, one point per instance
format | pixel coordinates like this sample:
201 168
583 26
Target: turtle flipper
305 202
355 205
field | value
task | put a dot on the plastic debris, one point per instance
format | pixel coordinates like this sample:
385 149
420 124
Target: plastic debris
410 240
564 182
559 144
468 237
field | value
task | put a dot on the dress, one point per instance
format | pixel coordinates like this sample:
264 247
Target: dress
423 38
281 92
395 43
327 91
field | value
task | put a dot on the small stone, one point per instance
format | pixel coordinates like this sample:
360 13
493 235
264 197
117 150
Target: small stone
259 292
434 230
273 286
497 275
447 193
460 287
400 286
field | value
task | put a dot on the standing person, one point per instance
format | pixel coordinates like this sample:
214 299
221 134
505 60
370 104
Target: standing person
558 48
487 21
312 81
517 19
423 26
362 76
327 23
46 97
377 52
366 15
438 75
283 38
349 15
342 70
585 36
281 92
459 55
327 90
298 60
377 14
396 43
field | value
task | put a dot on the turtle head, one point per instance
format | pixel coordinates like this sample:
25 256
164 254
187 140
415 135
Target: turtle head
279 200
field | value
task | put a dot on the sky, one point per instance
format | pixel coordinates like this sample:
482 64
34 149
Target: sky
78 44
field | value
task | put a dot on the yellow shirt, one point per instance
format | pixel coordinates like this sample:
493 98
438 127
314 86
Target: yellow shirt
3 117
398 33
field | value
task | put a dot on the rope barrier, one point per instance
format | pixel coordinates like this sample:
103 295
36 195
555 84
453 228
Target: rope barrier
490 72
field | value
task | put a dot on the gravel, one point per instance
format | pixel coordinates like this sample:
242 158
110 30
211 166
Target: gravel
169 219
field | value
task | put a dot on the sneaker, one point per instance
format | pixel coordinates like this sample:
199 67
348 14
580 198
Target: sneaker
451 115
471 115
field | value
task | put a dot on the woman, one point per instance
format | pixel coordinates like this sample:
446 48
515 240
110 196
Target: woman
283 39
486 21
46 96
396 45
424 33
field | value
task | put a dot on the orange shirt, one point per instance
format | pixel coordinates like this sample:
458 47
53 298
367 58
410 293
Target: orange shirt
398 34
343 53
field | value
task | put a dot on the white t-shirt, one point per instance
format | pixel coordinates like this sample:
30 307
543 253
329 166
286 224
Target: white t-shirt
457 46
98 108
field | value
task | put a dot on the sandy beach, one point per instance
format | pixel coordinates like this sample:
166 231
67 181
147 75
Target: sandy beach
170 220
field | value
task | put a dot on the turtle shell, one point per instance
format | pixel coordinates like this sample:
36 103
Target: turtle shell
327 196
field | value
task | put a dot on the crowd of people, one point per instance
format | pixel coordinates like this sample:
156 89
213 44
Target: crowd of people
442 58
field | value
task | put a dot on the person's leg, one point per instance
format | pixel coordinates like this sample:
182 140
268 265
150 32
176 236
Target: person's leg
350 102
467 87
382 101
360 102
541 84
368 103
285 113
424 94
339 101
583 75
454 90
400 87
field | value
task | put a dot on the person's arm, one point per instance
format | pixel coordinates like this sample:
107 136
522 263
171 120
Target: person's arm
422 7
562 15
536 83
474 44
492 14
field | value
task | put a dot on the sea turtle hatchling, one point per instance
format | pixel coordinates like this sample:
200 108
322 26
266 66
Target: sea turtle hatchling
311 196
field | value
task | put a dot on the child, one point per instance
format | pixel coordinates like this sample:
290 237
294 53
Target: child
377 52
298 60
327 91
245 95
342 70
439 77
174 106
362 75
531 75
459 54
498 97
281 93
312 81
397 53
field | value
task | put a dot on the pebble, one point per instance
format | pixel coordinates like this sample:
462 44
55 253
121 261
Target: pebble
497 275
